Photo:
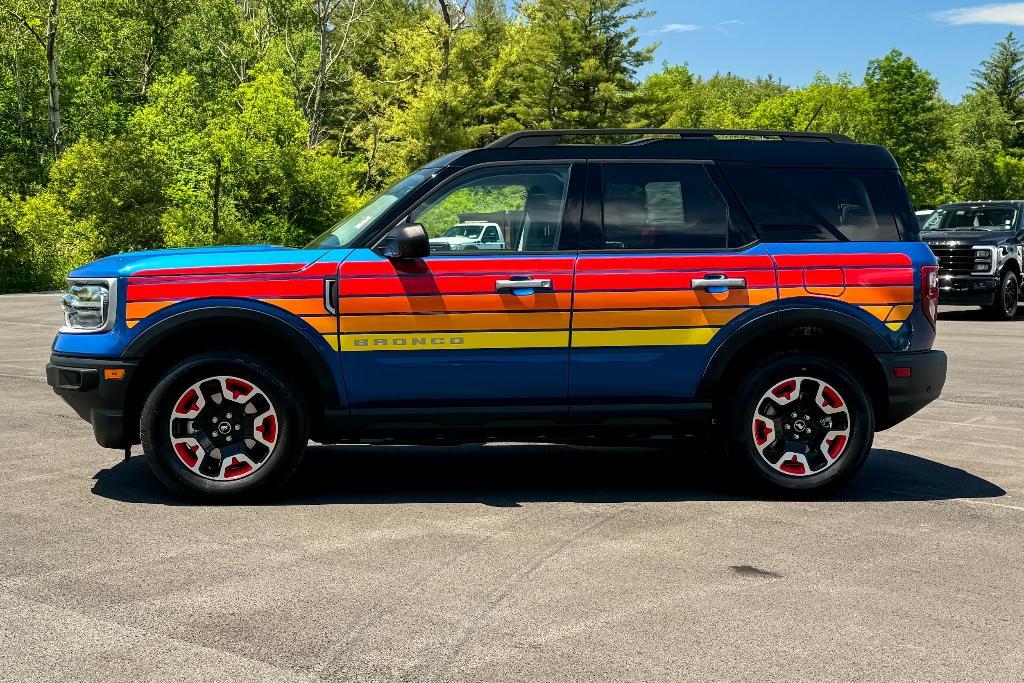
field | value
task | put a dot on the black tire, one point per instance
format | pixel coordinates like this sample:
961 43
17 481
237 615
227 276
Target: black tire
737 413
1004 307
291 427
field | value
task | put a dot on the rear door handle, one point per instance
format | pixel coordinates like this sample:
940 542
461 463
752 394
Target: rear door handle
716 281
514 283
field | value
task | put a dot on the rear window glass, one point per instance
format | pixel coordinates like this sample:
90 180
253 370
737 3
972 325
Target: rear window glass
814 205
662 206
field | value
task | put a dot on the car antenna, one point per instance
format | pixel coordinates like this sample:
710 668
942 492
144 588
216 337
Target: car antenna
816 112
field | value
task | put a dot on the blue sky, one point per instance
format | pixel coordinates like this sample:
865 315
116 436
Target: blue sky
794 39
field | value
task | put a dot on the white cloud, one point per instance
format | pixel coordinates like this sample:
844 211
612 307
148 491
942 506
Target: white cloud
1011 13
678 28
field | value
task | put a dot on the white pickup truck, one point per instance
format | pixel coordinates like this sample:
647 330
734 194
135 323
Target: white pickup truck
469 236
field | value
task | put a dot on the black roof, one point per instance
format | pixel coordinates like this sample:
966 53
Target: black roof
764 148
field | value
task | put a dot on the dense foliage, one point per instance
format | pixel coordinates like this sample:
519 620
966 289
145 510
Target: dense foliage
136 124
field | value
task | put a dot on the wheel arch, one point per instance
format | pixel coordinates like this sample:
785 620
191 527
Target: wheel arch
226 326
800 328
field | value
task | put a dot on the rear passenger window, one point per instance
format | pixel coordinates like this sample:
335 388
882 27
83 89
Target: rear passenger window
814 205
662 206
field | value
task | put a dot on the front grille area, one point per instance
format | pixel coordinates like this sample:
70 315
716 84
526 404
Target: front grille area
954 259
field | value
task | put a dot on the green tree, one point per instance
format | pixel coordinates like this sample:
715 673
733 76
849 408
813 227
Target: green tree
1002 74
905 114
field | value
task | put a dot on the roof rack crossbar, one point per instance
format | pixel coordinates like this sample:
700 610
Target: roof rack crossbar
547 138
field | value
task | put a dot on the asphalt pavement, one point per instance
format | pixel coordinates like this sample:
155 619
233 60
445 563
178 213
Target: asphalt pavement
518 562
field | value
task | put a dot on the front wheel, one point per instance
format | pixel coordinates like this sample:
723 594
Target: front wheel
223 425
1005 305
799 423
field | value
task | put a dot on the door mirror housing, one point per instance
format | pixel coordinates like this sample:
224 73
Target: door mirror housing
406 242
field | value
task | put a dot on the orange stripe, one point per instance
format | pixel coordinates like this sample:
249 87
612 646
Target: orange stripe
456 303
900 313
458 322
672 299
312 306
694 317
861 295
327 324
135 310
880 312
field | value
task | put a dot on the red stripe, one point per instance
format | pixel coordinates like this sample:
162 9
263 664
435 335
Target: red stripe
836 277
459 265
645 281
321 269
447 284
840 260
707 263
232 288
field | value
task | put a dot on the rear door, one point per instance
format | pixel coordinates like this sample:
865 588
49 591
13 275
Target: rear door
469 337
667 267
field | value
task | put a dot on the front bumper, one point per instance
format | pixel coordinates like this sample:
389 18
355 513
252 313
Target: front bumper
968 290
96 399
925 374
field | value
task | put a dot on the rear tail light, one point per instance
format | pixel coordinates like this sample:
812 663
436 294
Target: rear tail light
930 293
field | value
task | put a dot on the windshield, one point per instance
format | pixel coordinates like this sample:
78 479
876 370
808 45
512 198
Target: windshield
972 218
470 231
345 232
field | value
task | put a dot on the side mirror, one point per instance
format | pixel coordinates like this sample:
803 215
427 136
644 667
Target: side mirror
406 242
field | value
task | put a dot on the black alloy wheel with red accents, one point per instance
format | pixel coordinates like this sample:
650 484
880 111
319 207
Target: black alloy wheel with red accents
222 425
799 422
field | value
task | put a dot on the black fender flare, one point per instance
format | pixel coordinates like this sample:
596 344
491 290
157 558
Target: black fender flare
781 319
298 343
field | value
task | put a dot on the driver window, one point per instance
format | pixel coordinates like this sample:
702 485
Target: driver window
504 208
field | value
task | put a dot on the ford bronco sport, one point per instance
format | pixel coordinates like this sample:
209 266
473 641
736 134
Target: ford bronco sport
978 245
768 286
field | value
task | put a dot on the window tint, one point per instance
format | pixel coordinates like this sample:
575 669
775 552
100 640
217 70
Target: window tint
662 206
505 208
814 205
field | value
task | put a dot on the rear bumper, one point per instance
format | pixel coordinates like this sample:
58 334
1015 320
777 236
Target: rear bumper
97 400
925 375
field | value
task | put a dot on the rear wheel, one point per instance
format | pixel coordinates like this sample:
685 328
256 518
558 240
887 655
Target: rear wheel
800 422
1004 307
223 425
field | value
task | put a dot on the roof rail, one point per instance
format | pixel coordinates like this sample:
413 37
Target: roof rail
548 138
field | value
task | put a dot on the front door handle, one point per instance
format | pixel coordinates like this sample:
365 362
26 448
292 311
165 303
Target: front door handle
514 283
718 282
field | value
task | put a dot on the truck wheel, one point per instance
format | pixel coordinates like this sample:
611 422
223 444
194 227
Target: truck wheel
799 423
223 425
1005 305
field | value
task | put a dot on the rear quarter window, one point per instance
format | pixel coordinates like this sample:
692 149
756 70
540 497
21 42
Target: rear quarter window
814 204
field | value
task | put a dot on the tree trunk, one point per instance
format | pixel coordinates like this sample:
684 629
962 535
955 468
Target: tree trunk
50 46
216 198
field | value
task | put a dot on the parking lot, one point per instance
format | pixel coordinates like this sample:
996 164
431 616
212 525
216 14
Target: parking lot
520 563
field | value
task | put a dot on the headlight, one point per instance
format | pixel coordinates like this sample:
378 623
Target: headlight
983 258
89 305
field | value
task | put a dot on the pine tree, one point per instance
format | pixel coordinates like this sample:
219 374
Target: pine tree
1002 74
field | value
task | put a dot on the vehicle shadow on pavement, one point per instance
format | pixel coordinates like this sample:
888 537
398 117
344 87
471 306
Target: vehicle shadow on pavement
972 314
506 475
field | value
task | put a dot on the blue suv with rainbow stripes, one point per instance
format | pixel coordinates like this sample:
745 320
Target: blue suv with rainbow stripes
767 286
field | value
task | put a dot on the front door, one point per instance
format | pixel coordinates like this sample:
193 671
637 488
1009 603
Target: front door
662 275
476 334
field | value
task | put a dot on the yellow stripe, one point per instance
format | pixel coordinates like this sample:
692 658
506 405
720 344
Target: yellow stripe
131 323
454 341
332 339
663 337
895 327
